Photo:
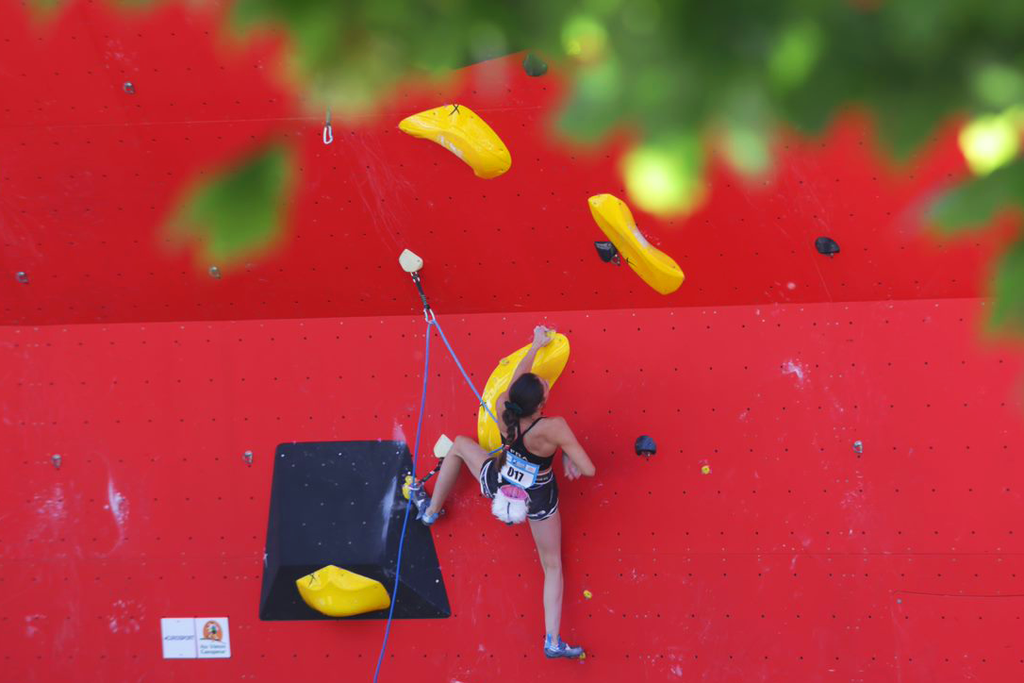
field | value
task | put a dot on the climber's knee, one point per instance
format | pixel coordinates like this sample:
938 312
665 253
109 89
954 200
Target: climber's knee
461 445
551 563
470 452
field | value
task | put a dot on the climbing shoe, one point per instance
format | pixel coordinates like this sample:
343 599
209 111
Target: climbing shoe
556 648
419 498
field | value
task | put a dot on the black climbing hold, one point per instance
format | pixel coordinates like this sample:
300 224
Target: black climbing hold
534 65
645 446
340 502
826 246
608 252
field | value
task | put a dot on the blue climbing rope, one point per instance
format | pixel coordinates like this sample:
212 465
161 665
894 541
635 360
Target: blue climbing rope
463 371
405 520
465 376
431 322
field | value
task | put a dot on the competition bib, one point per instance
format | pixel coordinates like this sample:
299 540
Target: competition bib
518 471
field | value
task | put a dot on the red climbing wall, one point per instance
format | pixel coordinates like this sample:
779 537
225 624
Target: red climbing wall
91 173
794 558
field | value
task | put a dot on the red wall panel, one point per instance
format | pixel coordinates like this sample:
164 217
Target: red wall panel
788 560
90 175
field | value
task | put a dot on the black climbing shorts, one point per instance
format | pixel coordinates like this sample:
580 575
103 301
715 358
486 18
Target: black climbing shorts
543 494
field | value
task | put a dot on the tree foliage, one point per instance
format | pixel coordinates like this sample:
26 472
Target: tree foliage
239 211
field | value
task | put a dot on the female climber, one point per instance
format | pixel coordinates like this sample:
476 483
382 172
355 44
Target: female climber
530 440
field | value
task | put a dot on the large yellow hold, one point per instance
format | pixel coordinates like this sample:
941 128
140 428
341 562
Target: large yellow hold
338 592
654 266
459 130
548 363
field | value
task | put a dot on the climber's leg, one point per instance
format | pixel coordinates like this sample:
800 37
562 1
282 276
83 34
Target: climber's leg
547 533
463 450
548 536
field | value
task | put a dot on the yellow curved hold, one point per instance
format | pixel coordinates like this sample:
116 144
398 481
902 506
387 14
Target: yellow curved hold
654 266
458 129
548 363
338 592
406 485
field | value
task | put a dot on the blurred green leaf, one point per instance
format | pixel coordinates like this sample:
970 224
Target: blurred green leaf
240 211
998 85
745 142
589 113
905 124
973 204
584 37
666 176
44 8
747 150
795 54
1008 290
991 141
641 17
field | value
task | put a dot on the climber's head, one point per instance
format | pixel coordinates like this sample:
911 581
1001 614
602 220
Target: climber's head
526 397
529 392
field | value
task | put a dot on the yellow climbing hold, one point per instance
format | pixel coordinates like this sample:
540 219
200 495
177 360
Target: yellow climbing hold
654 266
588 594
338 592
548 363
406 485
705 470
459 130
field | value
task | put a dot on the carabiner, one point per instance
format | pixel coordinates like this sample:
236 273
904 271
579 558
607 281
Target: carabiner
328 133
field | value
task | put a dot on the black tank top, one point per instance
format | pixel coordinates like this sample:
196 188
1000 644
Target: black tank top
518 448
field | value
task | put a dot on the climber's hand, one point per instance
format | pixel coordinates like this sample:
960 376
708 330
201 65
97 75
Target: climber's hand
571 471
541 336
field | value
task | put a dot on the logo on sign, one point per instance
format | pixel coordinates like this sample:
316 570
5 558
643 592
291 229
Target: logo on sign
212 631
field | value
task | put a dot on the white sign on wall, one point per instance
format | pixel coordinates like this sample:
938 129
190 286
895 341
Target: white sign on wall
212 638
196 638
179 636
